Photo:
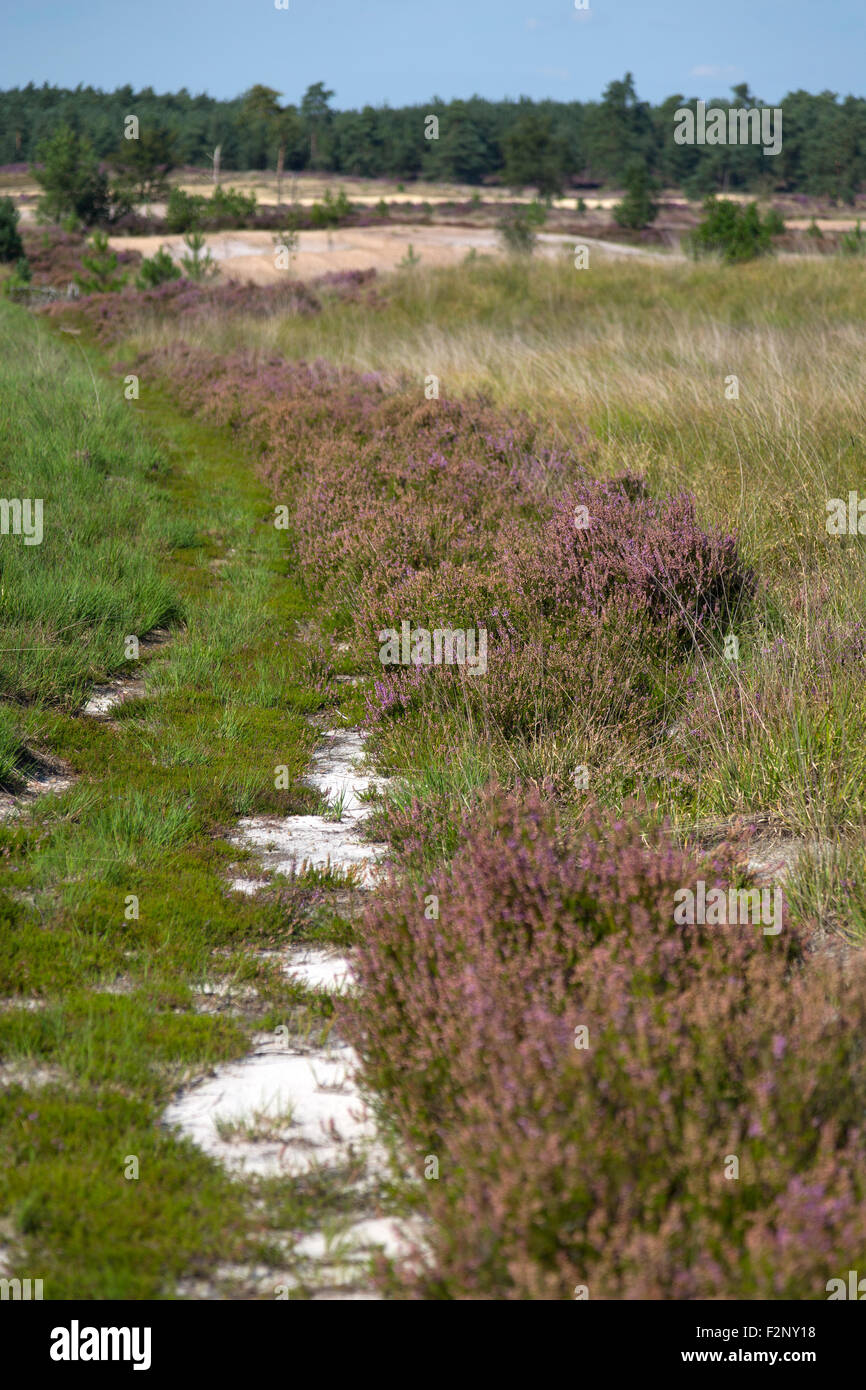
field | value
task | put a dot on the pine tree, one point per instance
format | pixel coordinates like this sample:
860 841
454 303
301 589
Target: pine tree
637 208
11 248
101 262
73 182
197 266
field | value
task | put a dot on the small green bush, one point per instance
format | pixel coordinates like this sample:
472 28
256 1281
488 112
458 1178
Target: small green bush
332 211
184 211
853 243
158 270
101 262
11 247
637 208
18 283
229 207
199 264
728 229
516 229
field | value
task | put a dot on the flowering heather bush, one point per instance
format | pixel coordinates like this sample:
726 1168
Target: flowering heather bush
448 514
651 556
402 484
193 302
55 255
346 285
591 672
605 1166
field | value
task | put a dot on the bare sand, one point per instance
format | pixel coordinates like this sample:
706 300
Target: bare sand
251 255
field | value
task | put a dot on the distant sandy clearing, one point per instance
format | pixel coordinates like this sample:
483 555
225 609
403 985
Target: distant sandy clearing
249 255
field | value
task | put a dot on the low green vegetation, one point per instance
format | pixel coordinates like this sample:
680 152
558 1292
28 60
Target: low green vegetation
113 895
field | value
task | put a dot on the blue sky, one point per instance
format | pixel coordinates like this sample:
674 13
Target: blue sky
411 50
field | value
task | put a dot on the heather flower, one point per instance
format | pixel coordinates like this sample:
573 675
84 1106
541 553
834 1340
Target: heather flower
606 1165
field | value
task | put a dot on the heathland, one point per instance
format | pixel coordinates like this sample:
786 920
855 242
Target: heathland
622 474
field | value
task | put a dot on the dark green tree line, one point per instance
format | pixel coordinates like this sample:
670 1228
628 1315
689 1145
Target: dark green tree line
548 145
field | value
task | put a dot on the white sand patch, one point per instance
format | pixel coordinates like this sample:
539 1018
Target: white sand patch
360 1239
291 844
250 886
31 1075
44 781
104 698
288 846
320 969
280 1113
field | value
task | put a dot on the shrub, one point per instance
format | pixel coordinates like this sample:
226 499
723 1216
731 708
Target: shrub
516 229
774 222
158 270
536 213
649 558
11 246
17 284
410 260
853 243
186 300
450 515
605 1165
542 675
286 242
332 211
728 229
184 211
637 208
55 256
587 630
229 207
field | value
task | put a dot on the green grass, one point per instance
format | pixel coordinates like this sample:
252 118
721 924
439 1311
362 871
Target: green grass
138 502
67 603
